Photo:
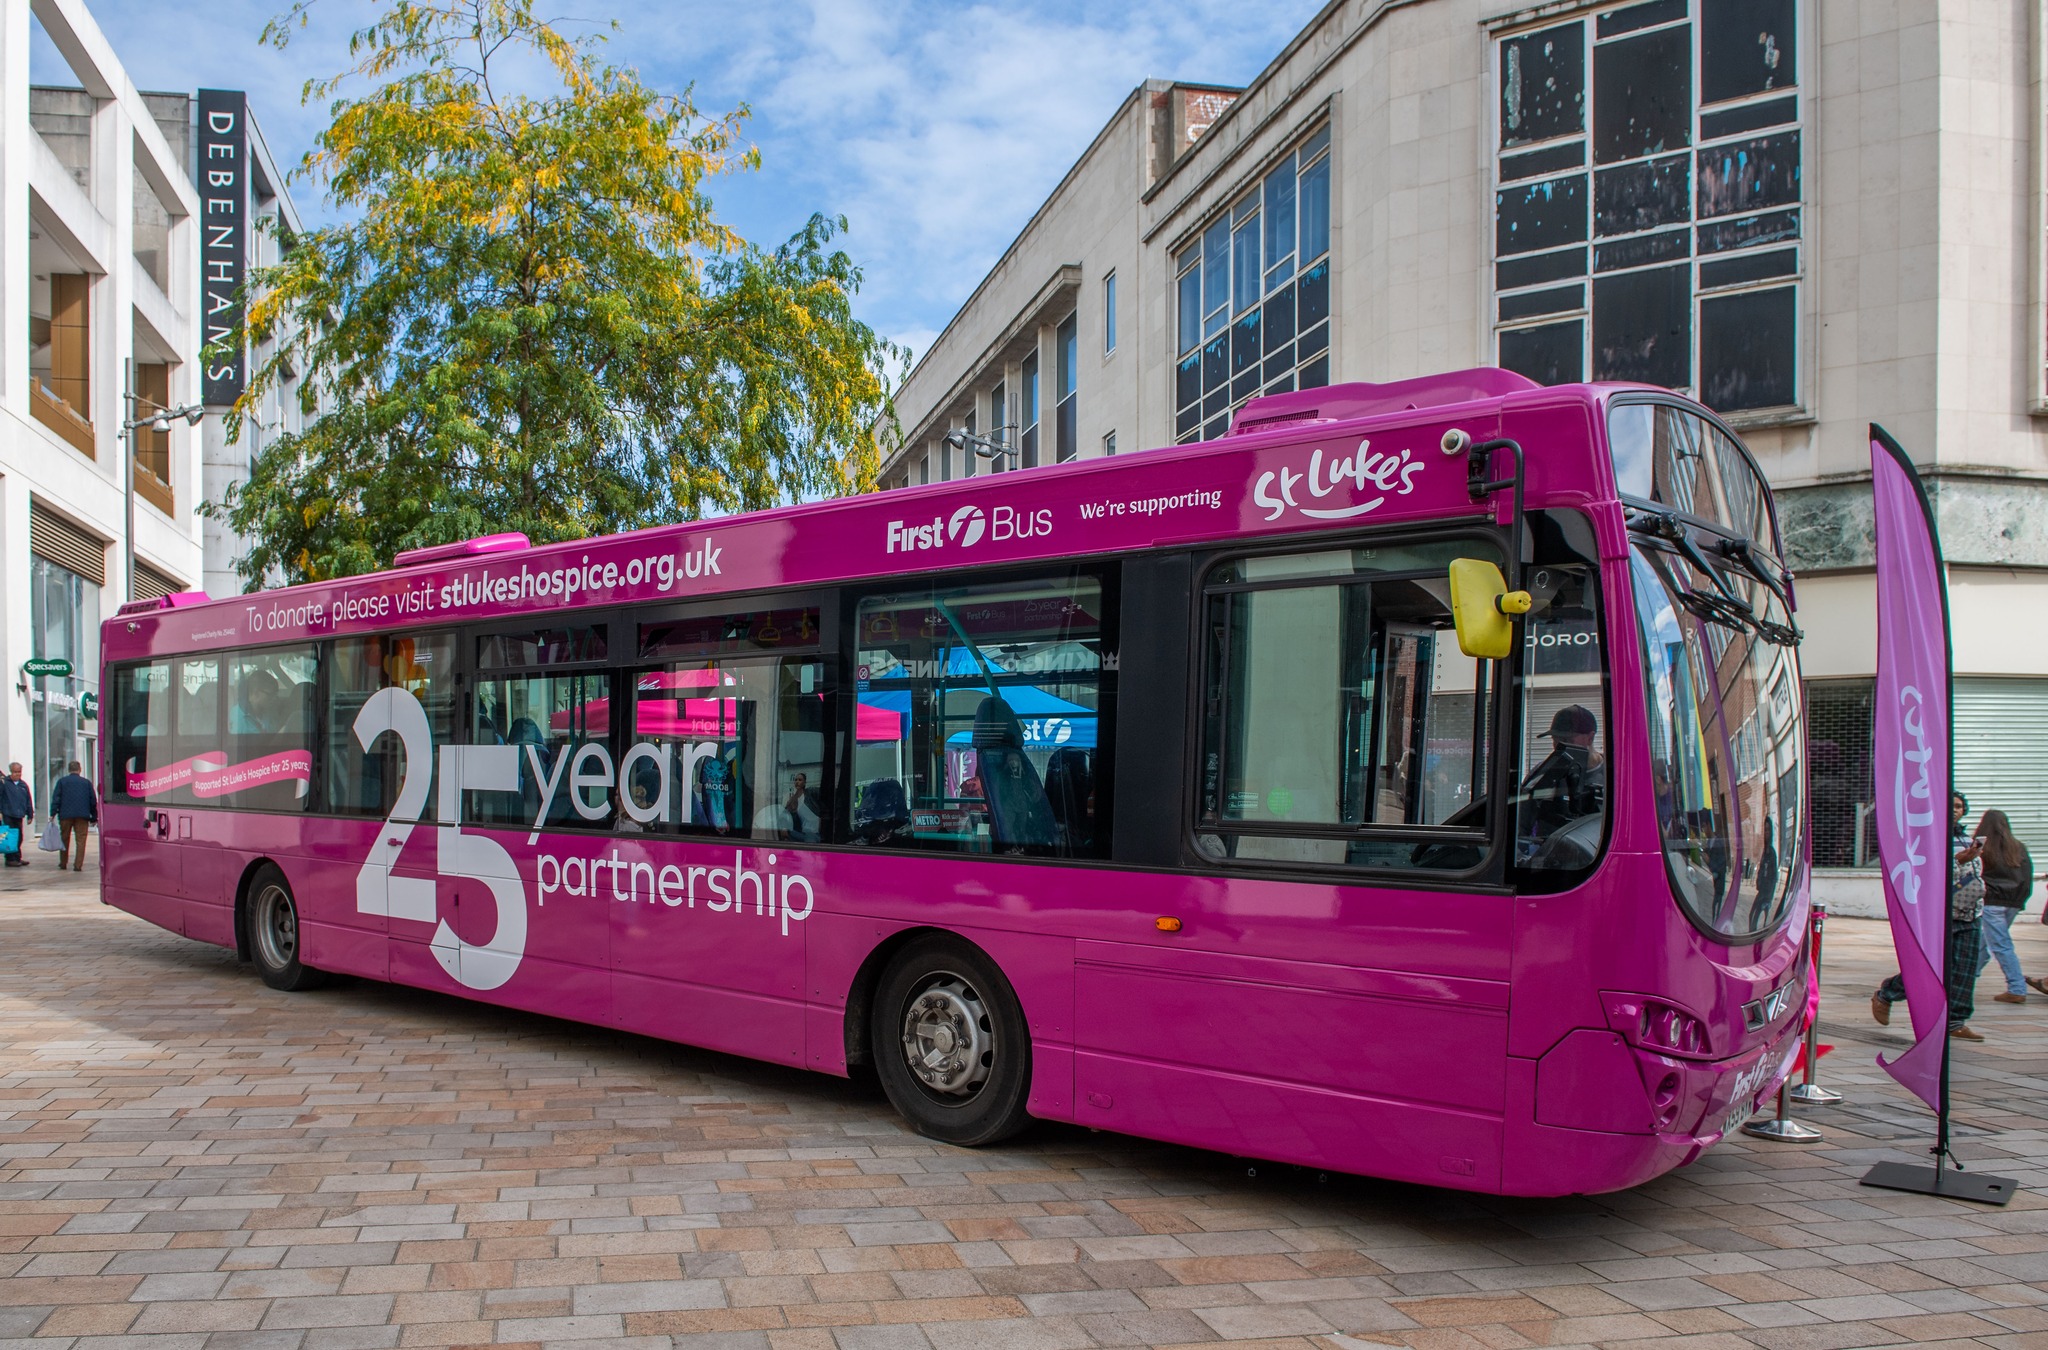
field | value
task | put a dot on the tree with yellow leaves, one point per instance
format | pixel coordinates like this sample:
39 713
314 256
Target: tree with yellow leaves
533 320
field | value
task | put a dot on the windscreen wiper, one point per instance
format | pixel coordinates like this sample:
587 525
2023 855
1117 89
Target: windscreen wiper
1724 606
1744 551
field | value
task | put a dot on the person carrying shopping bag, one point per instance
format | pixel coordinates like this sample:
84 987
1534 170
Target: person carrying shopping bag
77 808
17 808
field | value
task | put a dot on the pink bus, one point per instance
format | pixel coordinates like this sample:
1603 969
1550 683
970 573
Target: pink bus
1169 794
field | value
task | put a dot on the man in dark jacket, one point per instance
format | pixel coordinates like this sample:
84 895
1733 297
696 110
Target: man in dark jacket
78 810
17 808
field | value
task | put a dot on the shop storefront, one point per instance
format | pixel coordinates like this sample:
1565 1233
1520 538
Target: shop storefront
66 571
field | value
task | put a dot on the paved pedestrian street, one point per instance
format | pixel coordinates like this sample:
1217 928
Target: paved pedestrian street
188 1157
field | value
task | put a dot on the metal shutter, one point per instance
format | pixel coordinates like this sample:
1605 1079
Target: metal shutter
2002 754
57 540
151 584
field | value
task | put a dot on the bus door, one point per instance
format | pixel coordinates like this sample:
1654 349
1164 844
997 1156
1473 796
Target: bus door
1341 959
148 782
721 788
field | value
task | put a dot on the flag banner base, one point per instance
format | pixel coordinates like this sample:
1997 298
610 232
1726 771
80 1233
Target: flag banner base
1813 1094
1943 1181
1784 1130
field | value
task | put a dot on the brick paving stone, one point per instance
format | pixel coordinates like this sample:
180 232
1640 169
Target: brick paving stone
189 1161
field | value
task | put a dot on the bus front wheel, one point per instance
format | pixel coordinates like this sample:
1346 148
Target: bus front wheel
950 1043
274 934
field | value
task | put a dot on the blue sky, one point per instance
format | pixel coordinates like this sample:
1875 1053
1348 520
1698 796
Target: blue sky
936 129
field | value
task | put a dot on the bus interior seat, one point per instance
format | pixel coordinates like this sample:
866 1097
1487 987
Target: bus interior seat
1069 788
883 814
1019 817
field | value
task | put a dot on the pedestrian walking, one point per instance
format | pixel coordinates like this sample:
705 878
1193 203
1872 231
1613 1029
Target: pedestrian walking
1965 934
77 808
17 808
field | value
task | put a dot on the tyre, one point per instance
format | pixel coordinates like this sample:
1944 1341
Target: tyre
950 1043
274 934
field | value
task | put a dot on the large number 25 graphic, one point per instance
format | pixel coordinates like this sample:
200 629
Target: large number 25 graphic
476 768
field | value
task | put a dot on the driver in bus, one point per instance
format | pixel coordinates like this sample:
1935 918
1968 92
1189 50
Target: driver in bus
1571 782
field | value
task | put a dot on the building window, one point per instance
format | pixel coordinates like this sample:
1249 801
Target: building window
60 360
1647 201
1254 296
1109 444
1066 355
1109 313
924 468
1027 412
1838 741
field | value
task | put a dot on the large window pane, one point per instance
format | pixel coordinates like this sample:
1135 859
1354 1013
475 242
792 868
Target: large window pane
1280 194
1642 95
560 725
1190 303
1341 715
1244 266
1561 803
1543 85
365 781
271 716
983 718
1315 210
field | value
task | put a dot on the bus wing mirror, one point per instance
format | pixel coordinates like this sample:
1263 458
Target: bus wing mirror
1481 606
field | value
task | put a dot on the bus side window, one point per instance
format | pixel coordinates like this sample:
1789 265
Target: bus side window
269 759
141 724
1561 795
980 713
361 782
552 721
730 747
1342 724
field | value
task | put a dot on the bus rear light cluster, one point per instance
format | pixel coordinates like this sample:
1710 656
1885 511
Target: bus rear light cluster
1667 1028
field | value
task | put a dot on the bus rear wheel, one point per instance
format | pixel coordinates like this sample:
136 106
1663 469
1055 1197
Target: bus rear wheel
274 934
950 1044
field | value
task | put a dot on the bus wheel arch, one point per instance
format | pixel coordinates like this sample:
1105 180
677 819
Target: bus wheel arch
946 1034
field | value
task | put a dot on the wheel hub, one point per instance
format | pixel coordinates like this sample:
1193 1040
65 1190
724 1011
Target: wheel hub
277 928
947 1040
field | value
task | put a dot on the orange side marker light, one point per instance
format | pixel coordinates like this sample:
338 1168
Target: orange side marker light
1167 924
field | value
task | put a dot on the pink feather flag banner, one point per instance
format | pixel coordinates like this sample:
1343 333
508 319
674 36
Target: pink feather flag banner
1911 755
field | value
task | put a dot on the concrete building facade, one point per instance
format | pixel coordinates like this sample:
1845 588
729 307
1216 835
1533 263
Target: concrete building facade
1811 215
116 302
99 284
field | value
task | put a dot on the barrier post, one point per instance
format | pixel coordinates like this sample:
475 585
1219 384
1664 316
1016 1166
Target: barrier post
1809 1092
1782 1127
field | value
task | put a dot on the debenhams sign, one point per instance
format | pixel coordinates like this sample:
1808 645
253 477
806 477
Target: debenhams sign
223 173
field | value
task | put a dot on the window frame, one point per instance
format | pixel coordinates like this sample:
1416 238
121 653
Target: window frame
1532 312
1493 840
1107 571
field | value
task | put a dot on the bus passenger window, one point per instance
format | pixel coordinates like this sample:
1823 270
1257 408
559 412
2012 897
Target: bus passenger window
361 782
168 746
981 717
727 746
1561 797
269 760
1342 724
560 725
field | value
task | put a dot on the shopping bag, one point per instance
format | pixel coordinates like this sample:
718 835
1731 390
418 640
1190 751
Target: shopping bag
10 839
53 837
